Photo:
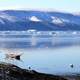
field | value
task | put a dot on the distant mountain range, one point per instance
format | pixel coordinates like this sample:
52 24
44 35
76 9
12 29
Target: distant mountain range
38 20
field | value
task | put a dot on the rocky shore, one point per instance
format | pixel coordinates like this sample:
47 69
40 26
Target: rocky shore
13 72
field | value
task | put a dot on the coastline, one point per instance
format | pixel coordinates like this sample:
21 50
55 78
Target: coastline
12 72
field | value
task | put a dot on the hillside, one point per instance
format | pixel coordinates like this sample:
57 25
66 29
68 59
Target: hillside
38 20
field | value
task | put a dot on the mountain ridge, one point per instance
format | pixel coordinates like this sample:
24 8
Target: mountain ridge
38 20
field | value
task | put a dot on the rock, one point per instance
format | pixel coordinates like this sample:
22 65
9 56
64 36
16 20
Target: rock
12 72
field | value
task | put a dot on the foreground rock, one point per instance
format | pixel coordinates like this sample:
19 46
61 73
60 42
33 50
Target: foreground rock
12 72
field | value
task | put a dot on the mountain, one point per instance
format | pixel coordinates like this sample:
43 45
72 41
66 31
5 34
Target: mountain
38 20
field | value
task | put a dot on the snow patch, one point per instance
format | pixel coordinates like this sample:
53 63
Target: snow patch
8 17
56 20
34 18
65 20
1 21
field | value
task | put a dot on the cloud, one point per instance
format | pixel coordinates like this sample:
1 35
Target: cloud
9 7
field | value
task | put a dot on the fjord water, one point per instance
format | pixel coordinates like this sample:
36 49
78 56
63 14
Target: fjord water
53 60
56 60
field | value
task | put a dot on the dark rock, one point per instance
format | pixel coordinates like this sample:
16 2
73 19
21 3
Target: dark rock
12 72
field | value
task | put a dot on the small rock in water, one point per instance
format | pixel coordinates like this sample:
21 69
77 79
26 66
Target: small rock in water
71 65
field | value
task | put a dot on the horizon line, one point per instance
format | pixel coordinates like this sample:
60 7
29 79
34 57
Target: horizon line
39 9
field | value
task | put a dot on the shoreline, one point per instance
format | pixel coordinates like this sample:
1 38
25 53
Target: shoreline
9 71
12 72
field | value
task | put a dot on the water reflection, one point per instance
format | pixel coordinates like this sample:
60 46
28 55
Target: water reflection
55 60
49 54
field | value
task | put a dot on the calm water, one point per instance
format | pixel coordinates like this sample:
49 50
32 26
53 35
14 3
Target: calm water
46 59
55 61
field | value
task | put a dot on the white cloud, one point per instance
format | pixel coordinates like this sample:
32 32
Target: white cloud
10 7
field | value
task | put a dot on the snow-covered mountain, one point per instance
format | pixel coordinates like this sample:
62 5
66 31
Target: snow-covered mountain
38 20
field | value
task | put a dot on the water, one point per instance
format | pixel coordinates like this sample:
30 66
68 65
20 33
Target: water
54 61
53 58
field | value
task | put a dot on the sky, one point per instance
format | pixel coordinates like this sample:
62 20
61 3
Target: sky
59 5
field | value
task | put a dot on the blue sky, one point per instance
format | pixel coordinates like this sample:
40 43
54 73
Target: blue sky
61 5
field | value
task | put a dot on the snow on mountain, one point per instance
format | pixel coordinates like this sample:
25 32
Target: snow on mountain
34 18
56 20
38 20
65 20
61 21
1 21
8 17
